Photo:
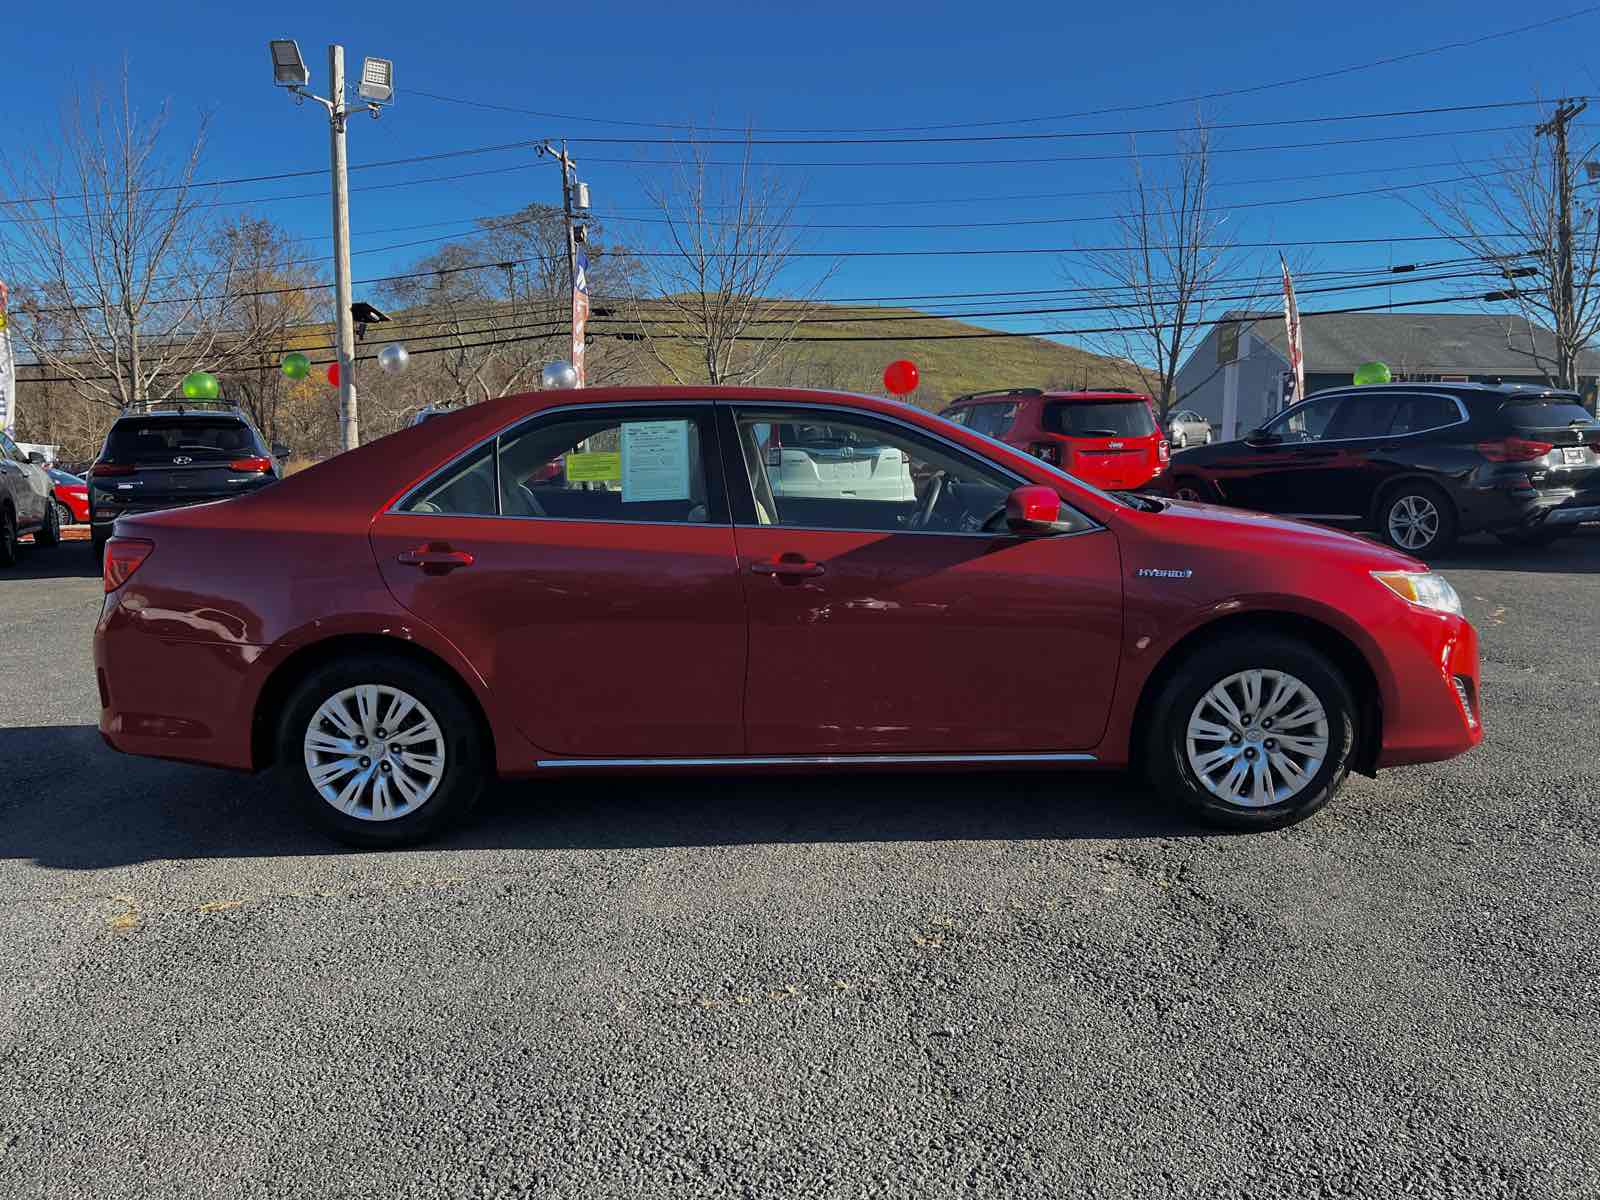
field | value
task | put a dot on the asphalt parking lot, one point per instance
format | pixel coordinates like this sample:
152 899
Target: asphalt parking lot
894 986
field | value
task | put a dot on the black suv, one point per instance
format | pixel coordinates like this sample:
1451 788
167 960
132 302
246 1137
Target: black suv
1418 463
167 457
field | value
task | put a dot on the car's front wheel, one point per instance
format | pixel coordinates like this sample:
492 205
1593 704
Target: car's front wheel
1253 733
64 515
9 546
381 751
1183 441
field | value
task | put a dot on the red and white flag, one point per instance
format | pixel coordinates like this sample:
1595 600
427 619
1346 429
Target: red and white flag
580 313
1291 325
8 370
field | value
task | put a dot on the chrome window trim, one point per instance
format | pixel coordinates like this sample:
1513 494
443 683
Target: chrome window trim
1380 437
962 451
839 760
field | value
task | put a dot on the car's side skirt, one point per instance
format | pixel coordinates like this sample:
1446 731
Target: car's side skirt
817 760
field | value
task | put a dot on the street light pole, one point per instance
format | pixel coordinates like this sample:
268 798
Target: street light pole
345 350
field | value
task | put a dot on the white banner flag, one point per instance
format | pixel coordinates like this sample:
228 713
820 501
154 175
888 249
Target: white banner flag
580 315
8 370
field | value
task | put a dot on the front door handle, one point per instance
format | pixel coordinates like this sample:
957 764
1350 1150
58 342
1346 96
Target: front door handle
790 566
436 558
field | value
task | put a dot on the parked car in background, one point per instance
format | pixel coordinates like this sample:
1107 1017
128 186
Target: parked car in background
25 502
394 627
167 457
71 497
811 459
1419 464
1187 428
1104 436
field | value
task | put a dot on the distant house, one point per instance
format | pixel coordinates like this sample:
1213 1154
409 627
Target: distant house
1236 377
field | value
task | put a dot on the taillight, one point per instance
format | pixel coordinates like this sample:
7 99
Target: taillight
123 557
103 470
1164 451
1514 449
250 464
1047 451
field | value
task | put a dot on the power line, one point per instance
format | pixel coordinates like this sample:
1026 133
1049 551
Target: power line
1369 64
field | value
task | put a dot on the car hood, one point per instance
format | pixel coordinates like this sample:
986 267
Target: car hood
1214 525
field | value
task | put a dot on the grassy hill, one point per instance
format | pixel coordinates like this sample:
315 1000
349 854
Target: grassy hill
948 366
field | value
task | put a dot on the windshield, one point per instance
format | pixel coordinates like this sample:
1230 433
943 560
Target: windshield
1105 418
1039 462
155 438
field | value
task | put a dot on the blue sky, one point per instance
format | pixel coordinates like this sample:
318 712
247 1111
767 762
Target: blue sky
831 66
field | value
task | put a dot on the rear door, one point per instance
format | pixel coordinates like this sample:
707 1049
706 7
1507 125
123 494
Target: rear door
584 563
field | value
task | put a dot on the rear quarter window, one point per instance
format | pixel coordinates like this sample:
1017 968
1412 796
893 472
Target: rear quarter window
1106 418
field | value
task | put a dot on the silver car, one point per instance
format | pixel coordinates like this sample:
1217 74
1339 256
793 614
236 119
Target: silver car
1187 428
25 501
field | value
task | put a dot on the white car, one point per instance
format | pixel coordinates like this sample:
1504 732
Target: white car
26 496
819 461
1186 428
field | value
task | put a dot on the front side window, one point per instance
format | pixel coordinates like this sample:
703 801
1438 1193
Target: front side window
863 475
646 464
8 449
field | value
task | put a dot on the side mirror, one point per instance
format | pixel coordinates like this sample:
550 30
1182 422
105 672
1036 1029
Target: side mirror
36 458
1260 437
1033 508
279 450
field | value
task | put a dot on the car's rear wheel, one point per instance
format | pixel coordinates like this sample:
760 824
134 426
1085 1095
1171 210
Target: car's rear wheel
381 751
63 514
1417 518
8 537
50 533
1253 733
1187 487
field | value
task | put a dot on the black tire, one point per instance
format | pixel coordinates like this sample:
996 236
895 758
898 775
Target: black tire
1170 766
1529 538
466 762
1415 498
99 539
63 514
50 532
10 549
1187 487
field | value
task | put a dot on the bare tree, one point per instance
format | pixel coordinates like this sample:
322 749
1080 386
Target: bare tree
122 284
1508 219
715 287
1159 283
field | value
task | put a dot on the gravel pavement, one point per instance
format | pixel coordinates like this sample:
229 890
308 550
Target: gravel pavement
969 985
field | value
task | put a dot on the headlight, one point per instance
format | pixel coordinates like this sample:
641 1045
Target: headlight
1422 588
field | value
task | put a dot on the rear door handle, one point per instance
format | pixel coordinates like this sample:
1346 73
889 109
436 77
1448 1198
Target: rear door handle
436 558
790 566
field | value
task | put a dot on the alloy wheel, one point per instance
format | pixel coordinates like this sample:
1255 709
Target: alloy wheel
374 752
1413 522
1257 738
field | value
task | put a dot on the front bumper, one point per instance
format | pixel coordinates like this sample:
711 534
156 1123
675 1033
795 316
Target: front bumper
1432 706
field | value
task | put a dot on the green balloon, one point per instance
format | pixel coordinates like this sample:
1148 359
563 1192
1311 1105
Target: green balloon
200 385
296 365
1372 372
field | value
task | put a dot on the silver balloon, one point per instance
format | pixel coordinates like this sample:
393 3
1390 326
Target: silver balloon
394 358
558 374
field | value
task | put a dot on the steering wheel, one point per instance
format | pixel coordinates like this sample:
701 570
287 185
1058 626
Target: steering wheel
930 501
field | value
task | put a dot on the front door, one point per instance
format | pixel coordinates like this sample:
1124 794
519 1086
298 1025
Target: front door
886 616
29 486
584 563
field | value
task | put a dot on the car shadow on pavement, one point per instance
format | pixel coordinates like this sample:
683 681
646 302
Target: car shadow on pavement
69 560
71 803
1576 554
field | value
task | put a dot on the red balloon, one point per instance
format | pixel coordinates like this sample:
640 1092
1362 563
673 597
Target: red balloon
333 374
900 377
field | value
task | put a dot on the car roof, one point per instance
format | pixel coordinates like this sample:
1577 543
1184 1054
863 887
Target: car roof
166 414
1078 394
1501 391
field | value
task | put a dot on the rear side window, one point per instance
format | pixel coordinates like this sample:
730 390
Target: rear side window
1414 414
1109 418
1545 413
155 438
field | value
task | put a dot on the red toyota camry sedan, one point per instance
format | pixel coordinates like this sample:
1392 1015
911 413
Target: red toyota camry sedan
649 580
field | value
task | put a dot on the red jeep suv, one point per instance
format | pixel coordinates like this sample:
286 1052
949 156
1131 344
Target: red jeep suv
1104 436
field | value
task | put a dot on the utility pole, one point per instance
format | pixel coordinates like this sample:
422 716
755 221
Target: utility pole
568 172
345 350
574 203
376 87
1566 321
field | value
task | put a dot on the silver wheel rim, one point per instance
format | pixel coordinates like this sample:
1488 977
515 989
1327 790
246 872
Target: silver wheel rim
1257 738
374 752
1413 522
